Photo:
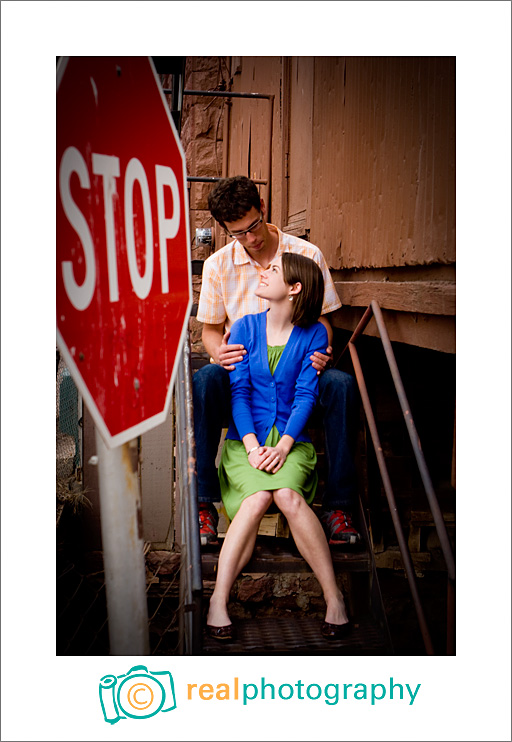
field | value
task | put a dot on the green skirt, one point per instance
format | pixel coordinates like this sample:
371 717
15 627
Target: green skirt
238 479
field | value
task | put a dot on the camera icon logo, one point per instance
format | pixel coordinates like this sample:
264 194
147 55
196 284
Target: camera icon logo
137 695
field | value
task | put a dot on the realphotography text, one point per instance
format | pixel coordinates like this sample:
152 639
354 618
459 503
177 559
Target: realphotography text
330 693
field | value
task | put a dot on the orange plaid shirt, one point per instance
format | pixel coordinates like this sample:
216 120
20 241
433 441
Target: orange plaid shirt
231 276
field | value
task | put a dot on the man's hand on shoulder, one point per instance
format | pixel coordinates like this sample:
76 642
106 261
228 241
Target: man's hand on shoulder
321 361
229 355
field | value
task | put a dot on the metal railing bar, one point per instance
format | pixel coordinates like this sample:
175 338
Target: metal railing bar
215 179
184 586
191 584
197 580
361 327
224 94
374 310
402 543
415 441
363 323
191 577
194 539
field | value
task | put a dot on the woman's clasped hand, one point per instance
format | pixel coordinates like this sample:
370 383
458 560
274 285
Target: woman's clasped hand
267 458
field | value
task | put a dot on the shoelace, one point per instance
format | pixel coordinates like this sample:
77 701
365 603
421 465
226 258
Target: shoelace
344 519
206 519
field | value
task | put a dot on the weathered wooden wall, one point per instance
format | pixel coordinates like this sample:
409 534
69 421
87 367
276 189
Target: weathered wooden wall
383 187
363 158
362 165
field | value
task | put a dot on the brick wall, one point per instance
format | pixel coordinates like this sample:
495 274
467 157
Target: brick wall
201 134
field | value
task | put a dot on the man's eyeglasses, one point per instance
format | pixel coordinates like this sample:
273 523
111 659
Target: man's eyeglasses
244 232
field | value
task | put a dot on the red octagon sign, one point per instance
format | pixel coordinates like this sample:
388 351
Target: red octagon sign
123 258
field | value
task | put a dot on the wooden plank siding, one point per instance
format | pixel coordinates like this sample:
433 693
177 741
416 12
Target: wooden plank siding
429 297
383 189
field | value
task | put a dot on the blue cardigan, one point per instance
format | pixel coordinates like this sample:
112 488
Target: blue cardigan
286 399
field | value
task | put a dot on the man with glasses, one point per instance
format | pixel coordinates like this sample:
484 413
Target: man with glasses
230 278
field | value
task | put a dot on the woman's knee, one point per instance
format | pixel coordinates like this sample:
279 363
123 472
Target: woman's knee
257 504
288 501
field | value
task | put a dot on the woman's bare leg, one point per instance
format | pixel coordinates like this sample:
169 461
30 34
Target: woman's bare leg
235 553
310 539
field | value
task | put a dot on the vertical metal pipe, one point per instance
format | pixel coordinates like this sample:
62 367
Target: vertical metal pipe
194 542
194 546
269 166
413 435
225 138
185 596
185 587
191 584
404 549
177 96
191 550
123 550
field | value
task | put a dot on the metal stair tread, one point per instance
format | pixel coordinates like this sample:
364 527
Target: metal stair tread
297 635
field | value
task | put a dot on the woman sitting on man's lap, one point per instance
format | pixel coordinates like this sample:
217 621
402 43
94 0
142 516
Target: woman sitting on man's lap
268 456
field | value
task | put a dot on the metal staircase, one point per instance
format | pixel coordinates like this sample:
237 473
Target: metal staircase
299 634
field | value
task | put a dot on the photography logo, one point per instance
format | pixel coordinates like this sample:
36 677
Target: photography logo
137 695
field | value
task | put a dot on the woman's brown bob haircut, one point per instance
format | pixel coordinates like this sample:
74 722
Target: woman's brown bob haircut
307 304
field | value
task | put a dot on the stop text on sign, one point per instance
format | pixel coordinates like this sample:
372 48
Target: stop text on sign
108 168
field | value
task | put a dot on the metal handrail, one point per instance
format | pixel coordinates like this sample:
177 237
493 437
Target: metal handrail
374 311
215 179
191 583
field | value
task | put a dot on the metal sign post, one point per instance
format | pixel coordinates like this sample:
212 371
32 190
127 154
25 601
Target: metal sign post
123 550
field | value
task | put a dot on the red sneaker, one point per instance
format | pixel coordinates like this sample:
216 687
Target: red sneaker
338 527
208 520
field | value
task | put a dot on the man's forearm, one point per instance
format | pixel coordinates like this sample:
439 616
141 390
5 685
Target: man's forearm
212 339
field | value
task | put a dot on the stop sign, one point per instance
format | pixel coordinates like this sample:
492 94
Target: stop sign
123 258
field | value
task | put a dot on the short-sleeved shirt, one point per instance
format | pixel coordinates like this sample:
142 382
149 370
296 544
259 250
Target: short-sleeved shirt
231 276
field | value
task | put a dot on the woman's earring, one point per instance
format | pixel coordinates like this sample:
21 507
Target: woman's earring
290 298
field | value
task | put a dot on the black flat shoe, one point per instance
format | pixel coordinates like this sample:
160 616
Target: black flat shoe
222 633
335 631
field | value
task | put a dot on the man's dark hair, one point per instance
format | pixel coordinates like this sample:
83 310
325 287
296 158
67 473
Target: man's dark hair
307 304
232 198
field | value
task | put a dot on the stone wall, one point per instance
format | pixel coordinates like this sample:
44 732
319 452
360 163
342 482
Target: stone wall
278 594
